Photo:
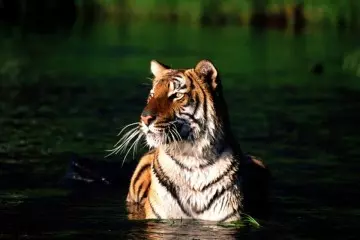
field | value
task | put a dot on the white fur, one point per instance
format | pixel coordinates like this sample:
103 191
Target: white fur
189 185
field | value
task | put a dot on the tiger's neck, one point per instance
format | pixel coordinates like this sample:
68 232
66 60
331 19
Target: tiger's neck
197 154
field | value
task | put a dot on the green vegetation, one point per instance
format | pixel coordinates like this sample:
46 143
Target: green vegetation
247 220
273 13
352 63
231 11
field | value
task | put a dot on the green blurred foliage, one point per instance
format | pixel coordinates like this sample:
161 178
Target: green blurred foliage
325 12
316 11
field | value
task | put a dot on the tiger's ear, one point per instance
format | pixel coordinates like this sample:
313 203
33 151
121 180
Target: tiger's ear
206 70
157 68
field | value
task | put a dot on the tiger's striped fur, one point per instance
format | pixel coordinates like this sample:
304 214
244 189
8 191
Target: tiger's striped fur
193 169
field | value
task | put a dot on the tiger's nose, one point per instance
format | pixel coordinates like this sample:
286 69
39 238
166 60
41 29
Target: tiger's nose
147 117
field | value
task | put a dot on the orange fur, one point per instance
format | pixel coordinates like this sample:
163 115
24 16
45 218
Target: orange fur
141 179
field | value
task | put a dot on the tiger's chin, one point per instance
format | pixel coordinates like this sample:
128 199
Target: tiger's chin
182 134
154 140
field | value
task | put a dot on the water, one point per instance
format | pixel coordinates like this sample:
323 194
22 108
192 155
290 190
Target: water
73 91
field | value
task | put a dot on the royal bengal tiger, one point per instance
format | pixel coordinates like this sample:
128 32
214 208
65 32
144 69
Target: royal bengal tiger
195 165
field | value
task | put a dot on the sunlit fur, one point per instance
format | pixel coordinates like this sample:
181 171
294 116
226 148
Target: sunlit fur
180 121
192 170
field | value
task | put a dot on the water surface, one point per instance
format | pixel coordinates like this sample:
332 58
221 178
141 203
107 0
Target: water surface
72 92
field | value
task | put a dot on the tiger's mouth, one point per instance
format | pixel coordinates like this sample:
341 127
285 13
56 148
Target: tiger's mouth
167 133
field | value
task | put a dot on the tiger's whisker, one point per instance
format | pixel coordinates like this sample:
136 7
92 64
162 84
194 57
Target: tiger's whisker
126 135
173 137
177 142
126 142
131 124
132 145
179 136
136 144
176 131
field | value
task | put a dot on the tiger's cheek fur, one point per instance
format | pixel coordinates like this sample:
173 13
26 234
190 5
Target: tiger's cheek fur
191 112
161 106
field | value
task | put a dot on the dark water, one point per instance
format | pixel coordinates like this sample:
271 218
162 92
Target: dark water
73 92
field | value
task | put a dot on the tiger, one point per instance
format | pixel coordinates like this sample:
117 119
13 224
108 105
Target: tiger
194 167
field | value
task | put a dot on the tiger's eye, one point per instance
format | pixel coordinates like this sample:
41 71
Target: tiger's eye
179 95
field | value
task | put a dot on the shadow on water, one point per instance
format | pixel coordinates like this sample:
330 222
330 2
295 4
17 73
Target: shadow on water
72 94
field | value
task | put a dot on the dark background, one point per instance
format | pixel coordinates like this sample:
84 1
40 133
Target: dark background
73 73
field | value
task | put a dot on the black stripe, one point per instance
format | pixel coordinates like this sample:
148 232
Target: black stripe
185 105
145 192
183 87
204 104
162 124
180 164
191 117
202 166
178 76
138 192
189 102
191 85
153 210
216 180
150 152
140 172
169 185
176 82
228 216
197 104
215 197
211 161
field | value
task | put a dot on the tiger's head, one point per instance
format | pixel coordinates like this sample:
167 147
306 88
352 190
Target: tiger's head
183 106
